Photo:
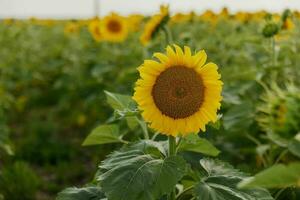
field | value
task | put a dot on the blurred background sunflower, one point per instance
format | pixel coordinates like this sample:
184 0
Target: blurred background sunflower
114 28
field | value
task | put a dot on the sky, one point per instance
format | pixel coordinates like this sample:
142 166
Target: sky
86 8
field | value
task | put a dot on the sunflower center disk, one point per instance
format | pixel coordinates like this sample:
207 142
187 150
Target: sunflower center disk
114 26
178 92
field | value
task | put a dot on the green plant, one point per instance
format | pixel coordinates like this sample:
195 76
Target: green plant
18 181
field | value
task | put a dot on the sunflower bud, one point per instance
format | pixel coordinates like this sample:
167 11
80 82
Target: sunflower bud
270 30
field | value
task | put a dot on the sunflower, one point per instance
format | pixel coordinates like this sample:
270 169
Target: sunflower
279 111
71 27
209 16
94 29
288 24
8 21
114 28
181 17
134 22
224 13
179 94
242 17
153 25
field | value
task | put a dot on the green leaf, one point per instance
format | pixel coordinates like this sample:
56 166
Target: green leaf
135 175
220 182
199 145
238 117
148 147
132 122
103 134
216 125
4 138
294 145
118 101
277 176
277 139
123 104
87 193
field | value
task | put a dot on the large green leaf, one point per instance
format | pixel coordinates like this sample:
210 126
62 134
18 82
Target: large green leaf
219 183
199 145
277 176
86 193
135 175
103 134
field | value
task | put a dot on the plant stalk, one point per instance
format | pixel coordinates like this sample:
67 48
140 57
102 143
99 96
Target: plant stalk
273 52
172 152
273 58
168 35
172 146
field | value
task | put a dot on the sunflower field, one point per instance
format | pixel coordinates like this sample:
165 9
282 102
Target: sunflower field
184 106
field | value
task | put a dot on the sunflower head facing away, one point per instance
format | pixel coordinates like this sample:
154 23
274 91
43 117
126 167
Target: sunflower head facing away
153 25
288 24
114 28
279 111
94 29
179 94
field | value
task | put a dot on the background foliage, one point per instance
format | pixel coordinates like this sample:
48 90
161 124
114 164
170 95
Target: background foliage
52 96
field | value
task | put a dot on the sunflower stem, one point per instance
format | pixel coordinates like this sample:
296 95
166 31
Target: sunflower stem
273 56
172 152
273 53
178 143
168 35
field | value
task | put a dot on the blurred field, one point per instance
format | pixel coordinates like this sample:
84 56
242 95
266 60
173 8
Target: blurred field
54 73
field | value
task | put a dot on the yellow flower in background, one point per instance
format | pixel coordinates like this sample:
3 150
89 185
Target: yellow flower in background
84 22
71 27
8 21
179 94
224 13
152 26
281 37
114 28
33 20
47 22
242 17
209 16
288 24
296 14
258 16
134 22
181 17
279 110
42 22
95 30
